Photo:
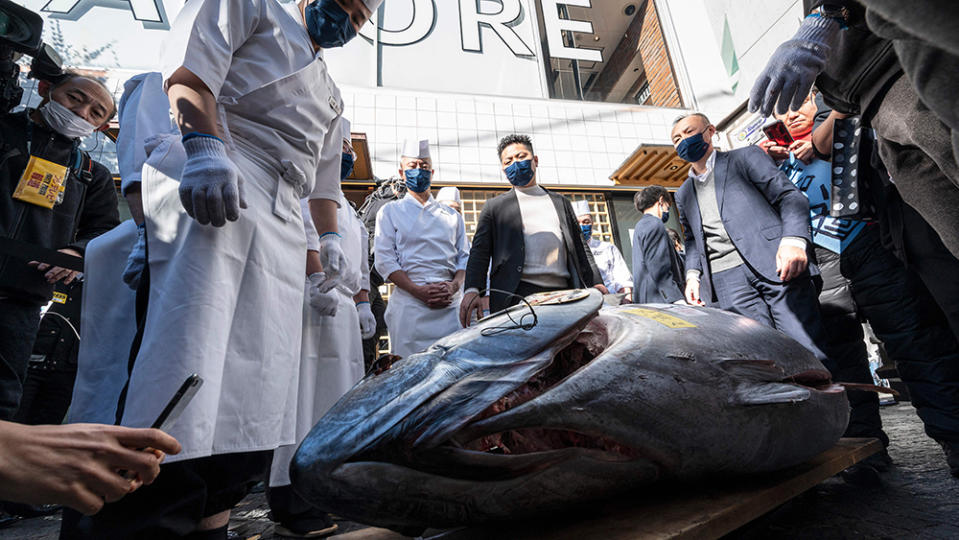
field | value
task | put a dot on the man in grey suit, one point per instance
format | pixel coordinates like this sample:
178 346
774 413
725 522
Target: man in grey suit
747 236
657 274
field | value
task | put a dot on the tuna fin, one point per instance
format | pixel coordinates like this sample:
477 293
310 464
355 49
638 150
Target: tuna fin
752 369
769 394
868 388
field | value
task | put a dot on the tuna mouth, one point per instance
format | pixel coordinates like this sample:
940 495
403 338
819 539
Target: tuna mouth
477 452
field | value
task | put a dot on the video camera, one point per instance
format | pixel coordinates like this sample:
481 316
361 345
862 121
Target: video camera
20 34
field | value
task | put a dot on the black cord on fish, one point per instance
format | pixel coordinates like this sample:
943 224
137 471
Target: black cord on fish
521 324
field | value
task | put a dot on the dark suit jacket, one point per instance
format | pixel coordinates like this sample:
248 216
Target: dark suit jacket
657 272
499 239
758 206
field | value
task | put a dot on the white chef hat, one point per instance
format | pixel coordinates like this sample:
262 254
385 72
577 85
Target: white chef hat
449 193
372 5
581 208
418 149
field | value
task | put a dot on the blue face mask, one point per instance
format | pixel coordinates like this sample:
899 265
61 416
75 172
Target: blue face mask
418 180
692 148
520 173
346 165
587 231
328 25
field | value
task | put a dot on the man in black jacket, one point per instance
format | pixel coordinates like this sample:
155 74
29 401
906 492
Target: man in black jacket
530 234
39 149
657 271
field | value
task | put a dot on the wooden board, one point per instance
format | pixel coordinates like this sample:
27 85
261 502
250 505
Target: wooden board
685 512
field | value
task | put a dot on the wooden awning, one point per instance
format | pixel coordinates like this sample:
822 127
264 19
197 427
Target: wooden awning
652 164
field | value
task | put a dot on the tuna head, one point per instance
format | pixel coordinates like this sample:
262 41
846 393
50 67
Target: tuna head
496 422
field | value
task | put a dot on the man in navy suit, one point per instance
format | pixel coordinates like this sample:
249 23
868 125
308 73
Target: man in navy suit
747 236
657 274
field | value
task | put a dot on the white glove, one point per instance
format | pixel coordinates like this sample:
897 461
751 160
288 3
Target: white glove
333 261
367 320
211 191
324 303
137 260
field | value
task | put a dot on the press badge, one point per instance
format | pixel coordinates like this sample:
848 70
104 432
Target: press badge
41 183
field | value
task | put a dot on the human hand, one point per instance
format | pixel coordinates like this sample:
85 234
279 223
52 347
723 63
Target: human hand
692 292
211 190
137 259
775 151
367 320
56 273
803 150
791 261
470 305
437 295
324 303
792 69
628 298
333 260
601 288
78 465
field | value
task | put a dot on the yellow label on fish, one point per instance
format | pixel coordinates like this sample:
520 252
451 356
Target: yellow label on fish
41 183
664 319
59 297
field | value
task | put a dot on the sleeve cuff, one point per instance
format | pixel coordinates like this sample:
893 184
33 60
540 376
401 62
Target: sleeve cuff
693 274
471 290
794 241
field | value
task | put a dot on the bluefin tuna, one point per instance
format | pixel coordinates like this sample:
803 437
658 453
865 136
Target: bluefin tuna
544 407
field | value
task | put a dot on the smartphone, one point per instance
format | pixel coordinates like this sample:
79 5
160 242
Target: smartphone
776 131
174 408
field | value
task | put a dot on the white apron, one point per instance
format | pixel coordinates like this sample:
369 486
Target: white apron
331 359
413 326
220 297
107 327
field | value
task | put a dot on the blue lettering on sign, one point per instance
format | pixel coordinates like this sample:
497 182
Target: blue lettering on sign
814 180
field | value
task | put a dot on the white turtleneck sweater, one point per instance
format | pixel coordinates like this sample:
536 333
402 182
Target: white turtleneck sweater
545 263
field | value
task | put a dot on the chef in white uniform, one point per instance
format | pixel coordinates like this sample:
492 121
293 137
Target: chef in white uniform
331 362
421 246
108 314
616 275
256 107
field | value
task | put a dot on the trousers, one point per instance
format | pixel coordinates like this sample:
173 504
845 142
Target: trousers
19 322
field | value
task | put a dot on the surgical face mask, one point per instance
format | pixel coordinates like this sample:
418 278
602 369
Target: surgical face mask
520 173
666 215
65 122
328 25
587 231
346 165
693 148
418 180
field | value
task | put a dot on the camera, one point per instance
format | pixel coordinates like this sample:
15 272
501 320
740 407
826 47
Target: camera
20 34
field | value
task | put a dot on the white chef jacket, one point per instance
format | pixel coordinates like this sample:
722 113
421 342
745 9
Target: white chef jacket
238 46
428 242
612 266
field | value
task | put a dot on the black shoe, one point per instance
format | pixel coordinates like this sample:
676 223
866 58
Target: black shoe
879 461
952 456
862 475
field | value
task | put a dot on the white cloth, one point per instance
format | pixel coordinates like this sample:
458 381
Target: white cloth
220 298
331 362
107 327
256 51
144 112
545 263
428 242
612 266
449 193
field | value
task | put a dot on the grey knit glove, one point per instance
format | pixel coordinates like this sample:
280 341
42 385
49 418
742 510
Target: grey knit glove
793 68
